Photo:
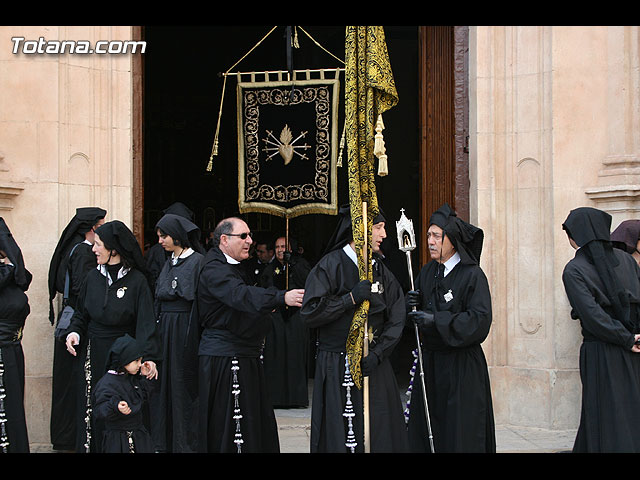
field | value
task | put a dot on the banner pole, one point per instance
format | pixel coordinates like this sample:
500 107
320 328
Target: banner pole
365 349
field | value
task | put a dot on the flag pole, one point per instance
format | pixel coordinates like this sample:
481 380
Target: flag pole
406 243
365 347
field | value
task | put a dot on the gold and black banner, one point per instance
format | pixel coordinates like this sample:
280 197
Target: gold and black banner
288 146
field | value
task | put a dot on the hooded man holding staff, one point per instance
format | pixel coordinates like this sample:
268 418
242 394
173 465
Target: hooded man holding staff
453 313
332 293
603 287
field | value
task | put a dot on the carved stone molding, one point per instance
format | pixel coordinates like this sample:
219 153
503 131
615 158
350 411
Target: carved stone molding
8 193
618 186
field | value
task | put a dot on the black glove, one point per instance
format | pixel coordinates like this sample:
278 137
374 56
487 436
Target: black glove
421 319
414 299
288 258
369 364
361 292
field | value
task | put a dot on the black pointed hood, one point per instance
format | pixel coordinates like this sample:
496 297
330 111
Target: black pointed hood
117 236
181 229
22 276
626 236
343 232
466 238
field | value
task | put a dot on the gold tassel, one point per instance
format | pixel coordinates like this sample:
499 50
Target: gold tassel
379 148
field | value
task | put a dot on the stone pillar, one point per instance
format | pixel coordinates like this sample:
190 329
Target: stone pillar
618 184
539 118
65 142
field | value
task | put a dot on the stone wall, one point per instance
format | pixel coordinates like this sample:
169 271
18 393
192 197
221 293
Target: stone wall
554 122
65 142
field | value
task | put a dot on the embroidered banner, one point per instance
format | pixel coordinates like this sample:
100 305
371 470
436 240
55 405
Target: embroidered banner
288 146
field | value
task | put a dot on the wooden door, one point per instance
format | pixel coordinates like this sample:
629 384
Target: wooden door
444 120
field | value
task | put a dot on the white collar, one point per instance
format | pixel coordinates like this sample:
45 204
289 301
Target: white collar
231 260
452 262
121 273
351 253
185 253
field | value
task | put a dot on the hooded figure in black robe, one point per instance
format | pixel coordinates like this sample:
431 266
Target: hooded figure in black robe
14 309
286 344
175 293
72 255
124 430
627 237
453 313
603 287
114 300
332 292
235 412
157 256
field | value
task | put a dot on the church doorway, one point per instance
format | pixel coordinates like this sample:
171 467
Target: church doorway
179 98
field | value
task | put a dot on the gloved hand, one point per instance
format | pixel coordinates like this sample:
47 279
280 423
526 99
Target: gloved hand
414 299
369 364
288 258
361 292
421 319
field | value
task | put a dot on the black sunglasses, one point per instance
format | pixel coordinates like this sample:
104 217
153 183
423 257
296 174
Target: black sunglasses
243 236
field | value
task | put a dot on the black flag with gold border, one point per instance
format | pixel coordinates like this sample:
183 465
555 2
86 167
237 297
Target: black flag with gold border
288 146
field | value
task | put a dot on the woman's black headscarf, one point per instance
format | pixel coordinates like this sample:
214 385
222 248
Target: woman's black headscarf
117 236
8 245
626 236
589 228
182 230
343 233
84 219
124 350
466 238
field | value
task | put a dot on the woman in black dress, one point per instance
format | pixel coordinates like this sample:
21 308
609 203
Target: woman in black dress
14 308
115 300
72 259
175 293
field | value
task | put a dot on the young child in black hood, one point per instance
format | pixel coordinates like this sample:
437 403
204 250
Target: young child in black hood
119 399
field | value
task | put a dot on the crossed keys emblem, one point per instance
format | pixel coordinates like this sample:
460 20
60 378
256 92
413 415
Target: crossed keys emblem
284 145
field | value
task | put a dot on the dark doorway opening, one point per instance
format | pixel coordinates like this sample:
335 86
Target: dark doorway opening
181 98
182 94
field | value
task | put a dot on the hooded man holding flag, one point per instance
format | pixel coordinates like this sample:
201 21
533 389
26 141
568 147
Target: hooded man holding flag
333 292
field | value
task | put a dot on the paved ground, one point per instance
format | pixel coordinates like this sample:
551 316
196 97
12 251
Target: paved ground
294 431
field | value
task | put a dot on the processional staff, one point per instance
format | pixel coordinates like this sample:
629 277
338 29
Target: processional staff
406 243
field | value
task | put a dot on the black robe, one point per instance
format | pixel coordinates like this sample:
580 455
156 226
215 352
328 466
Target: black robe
173 406
14 309
128 309
286 344
234 322
456 373
63 389
609 370
328 308
122 433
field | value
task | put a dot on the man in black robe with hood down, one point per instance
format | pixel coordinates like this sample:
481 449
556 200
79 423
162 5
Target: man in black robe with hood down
603 287
453 313
235 410
333 290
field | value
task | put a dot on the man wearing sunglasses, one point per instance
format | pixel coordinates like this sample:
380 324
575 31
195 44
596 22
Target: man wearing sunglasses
235 413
